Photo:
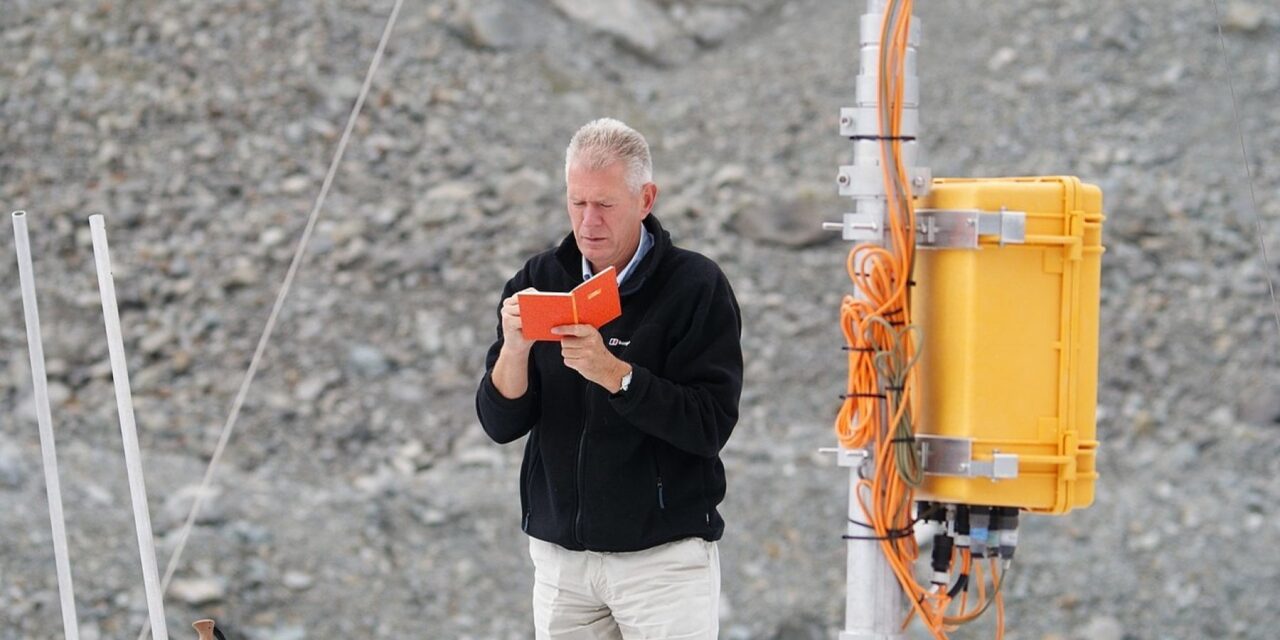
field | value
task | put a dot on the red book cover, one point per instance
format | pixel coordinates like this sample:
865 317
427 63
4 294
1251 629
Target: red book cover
594 302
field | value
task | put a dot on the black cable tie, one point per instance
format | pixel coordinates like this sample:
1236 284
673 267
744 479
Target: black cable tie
892 536
896 532
846 396
901 440
879 138
859 349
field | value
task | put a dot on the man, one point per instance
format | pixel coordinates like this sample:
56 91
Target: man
621 473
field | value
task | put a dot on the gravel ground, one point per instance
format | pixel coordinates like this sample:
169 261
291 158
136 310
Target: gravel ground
359 498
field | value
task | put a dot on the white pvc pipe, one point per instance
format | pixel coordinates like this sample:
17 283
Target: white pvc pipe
128 430
44 417
874 601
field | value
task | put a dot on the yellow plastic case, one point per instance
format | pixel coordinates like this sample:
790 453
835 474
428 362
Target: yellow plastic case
1010 335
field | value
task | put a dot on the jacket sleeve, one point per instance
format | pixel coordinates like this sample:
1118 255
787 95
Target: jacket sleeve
506 419
694 407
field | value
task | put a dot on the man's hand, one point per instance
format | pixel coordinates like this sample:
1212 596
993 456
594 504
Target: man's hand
512 337
584 351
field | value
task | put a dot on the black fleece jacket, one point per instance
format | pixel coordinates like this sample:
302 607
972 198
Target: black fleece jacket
629 471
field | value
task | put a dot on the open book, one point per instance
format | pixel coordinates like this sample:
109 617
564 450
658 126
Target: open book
594 302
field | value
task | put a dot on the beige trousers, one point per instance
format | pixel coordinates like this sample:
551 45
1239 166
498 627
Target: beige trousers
669 592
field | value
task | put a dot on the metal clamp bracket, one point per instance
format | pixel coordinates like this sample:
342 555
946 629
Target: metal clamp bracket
938 228
847 457
943 456
960 228
860 227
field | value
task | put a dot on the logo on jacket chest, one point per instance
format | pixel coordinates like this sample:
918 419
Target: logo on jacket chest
619 342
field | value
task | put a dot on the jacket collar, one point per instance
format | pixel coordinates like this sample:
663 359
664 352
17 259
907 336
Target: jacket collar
570 258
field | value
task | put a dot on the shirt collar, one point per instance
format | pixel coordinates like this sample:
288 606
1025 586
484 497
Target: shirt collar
646 242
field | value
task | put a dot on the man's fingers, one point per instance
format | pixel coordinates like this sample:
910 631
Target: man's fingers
576 330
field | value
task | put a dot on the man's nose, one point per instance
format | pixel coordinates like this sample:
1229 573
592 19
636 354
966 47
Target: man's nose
592 215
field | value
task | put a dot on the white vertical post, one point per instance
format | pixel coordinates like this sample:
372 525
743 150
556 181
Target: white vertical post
874 602
128 430
44 417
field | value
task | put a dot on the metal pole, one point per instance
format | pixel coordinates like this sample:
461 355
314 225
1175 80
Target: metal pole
44 417
874 601
128 430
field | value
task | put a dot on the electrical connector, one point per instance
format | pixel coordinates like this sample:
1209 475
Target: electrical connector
942 544
1008 531
960 525
979 531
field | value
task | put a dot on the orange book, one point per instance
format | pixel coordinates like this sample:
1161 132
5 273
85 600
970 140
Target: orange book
594 302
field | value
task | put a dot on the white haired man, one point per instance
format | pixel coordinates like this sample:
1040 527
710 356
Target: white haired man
622 473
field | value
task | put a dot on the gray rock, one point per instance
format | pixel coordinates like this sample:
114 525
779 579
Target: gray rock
793 221
285 632
198 591
430 330
456 191
729 174
801 627
310 388
12 470
1261 408
494 24
638 25
1002 58
297 580
296 184
58 393
368 361
155 341
1244 17
1101 627
444 202
174 512
710 25
523 187
243 273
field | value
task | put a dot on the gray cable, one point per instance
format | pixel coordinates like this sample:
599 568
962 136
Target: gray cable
1257 217
298 254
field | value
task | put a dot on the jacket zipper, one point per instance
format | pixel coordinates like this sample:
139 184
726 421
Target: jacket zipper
657 472
526 483
582 447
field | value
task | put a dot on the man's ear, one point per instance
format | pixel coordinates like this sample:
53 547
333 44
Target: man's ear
649 193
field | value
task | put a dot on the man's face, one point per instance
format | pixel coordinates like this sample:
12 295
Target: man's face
606 214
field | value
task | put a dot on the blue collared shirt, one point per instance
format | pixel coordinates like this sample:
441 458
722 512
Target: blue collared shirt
646 242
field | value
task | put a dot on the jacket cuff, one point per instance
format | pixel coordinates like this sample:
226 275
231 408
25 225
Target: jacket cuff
625 402
514 407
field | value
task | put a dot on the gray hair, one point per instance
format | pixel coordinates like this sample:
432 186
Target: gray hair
602 142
